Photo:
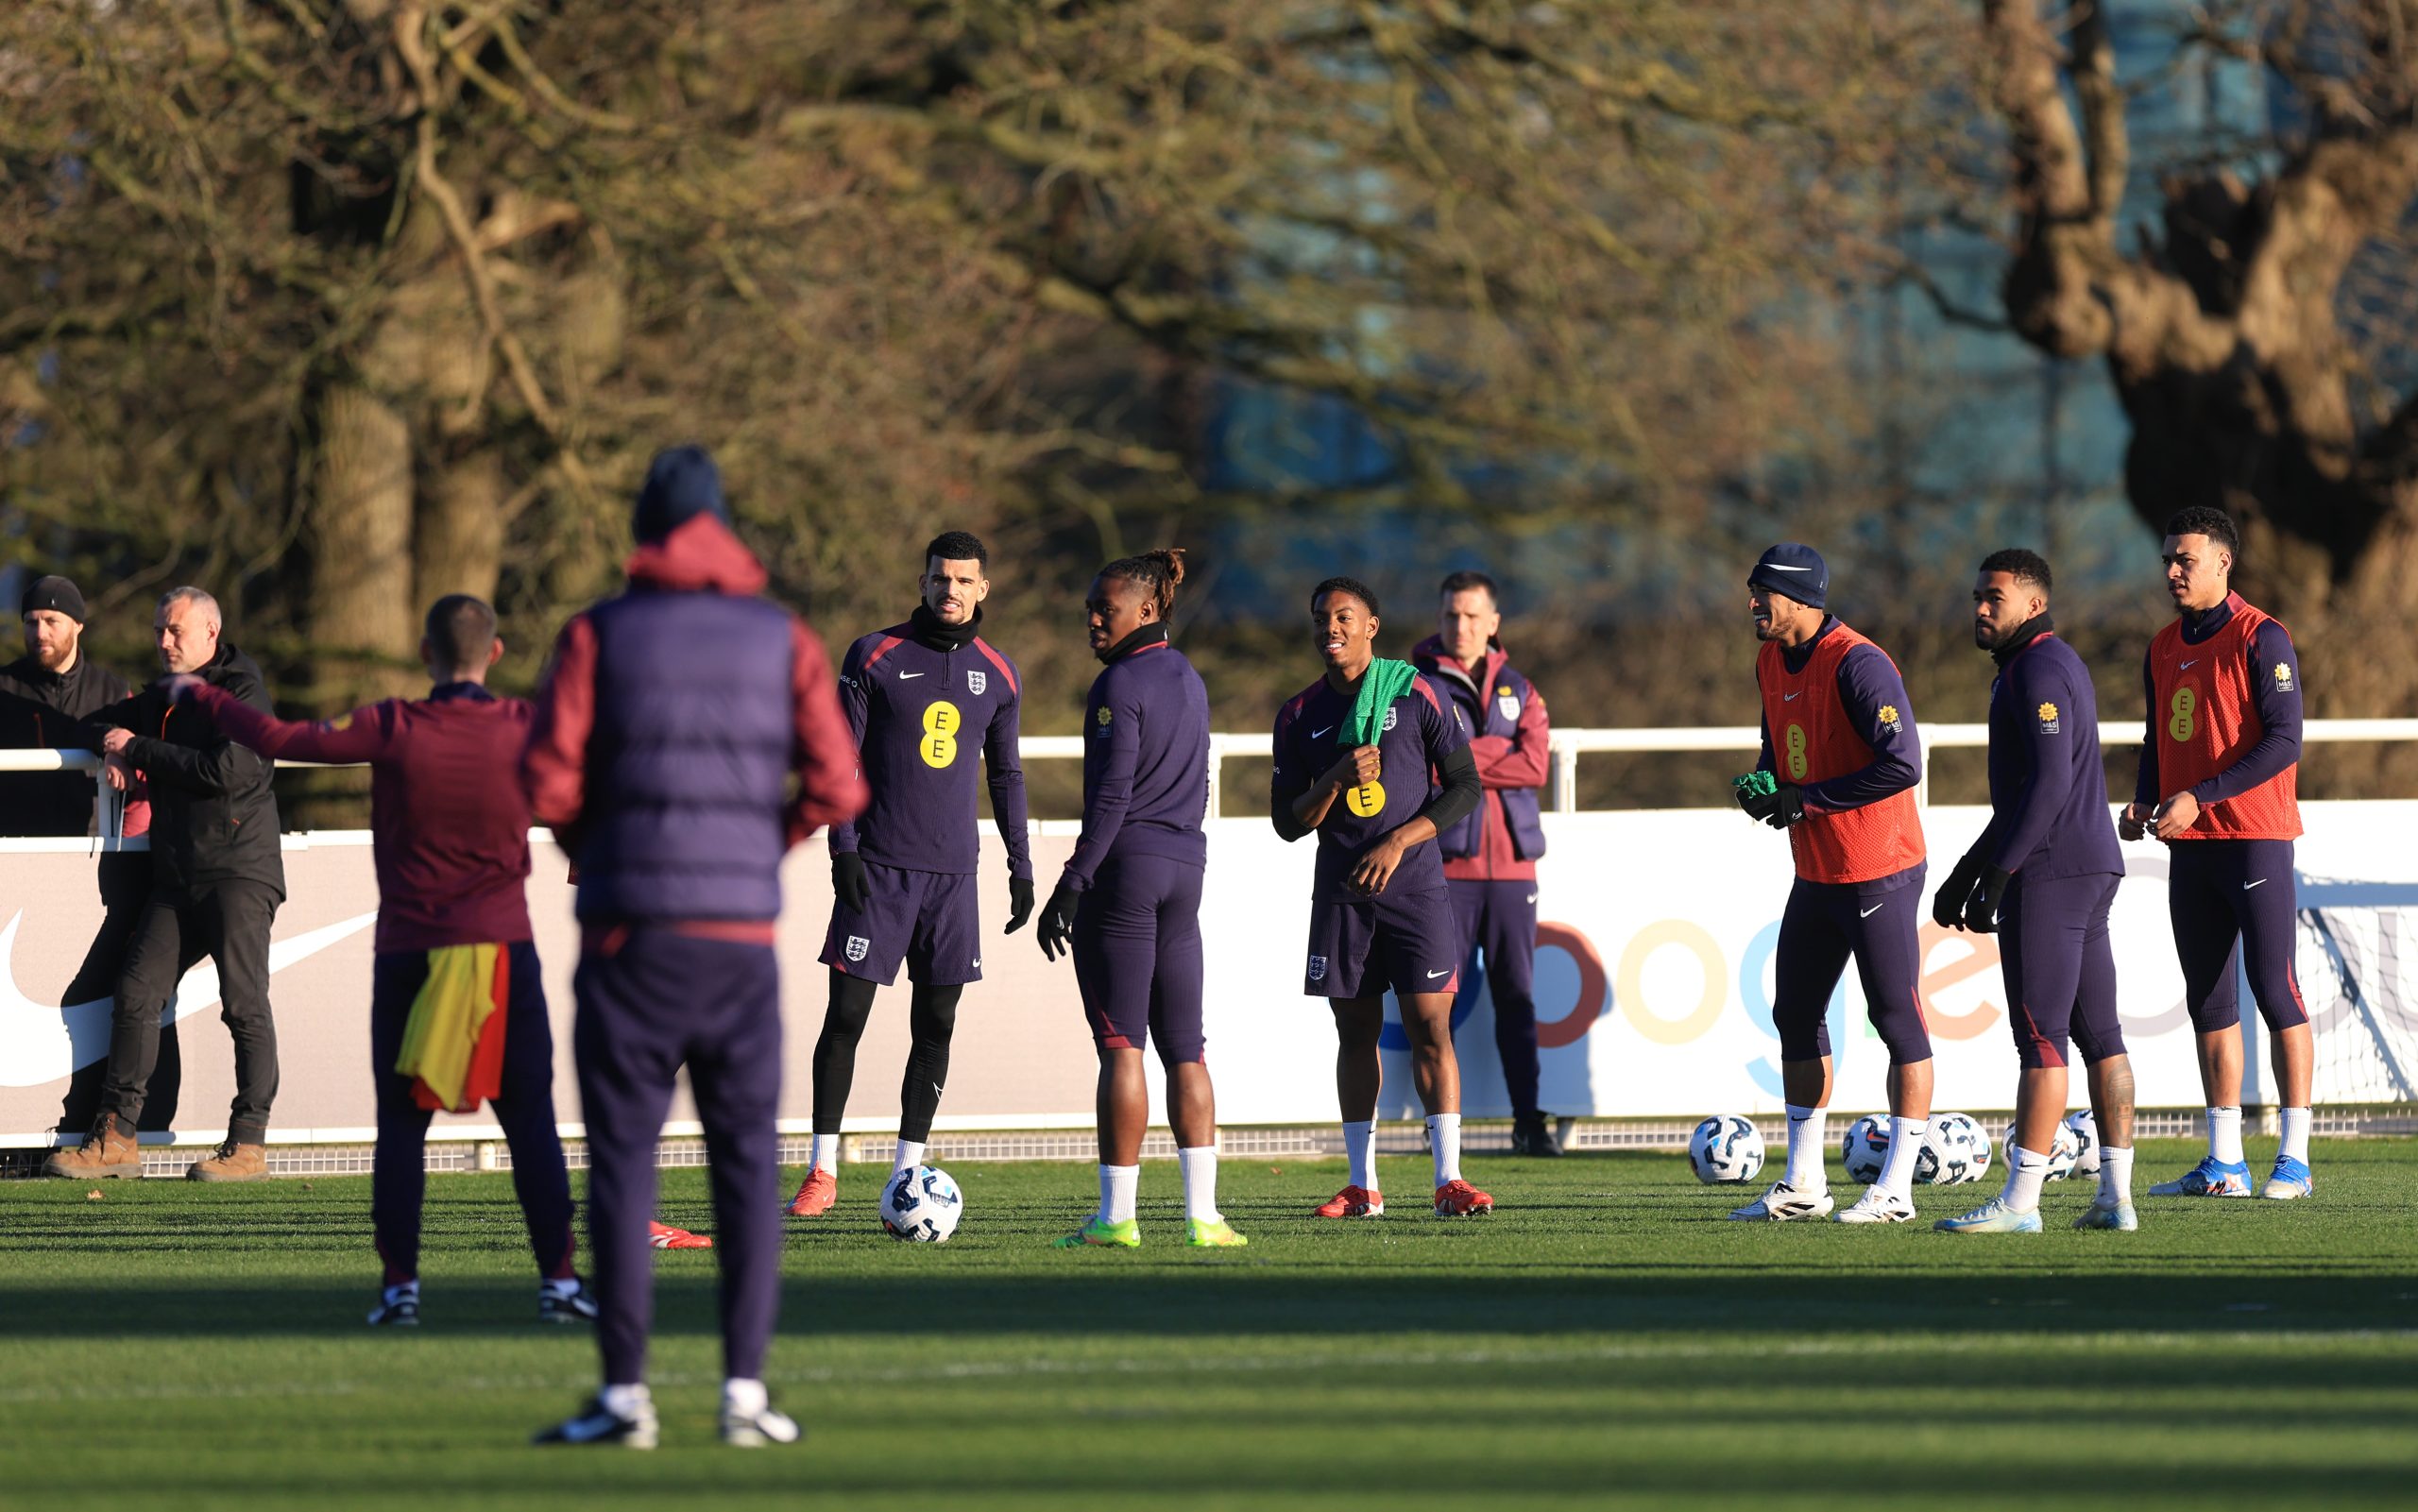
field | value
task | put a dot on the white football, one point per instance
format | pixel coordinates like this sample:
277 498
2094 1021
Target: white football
2085 1132
1725 1149
921 1205
2063 1151
1866 1149
1955 1151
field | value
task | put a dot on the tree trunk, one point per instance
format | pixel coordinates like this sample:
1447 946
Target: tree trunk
359 620
458 547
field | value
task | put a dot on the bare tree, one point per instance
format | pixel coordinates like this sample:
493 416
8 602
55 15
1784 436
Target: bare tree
2255 329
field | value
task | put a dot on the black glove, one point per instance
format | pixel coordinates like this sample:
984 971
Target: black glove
1981 914
849 883
1948 903
1780 808
1019 902
1056 930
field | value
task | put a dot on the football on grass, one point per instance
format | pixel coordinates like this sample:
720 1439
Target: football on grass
921 1205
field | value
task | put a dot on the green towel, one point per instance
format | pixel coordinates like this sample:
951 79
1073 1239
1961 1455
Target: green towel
1757 784
1384 681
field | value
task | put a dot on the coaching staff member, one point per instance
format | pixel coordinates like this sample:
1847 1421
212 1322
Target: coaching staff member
45 695
217 877
667 733
1490 857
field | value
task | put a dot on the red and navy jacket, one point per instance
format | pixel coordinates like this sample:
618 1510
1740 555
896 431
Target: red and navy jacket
2224 723
1421 728
910 706
449 824
1145 759
669 726
1501 841
2049 812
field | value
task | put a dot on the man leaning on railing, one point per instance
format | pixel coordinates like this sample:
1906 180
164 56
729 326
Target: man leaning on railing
44 698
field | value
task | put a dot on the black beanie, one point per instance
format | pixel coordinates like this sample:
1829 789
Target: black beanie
54 593
681 485
1794 571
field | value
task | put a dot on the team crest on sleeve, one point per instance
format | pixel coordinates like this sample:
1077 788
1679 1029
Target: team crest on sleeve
2048 713
2283 677
1887 718
1104 715
1317 968
976 680
858 945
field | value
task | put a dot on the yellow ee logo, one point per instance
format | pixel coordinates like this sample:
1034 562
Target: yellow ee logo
1366 801
1797 763
2180 723
941 723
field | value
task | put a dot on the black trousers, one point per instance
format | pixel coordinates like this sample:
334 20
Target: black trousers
228 921
126 890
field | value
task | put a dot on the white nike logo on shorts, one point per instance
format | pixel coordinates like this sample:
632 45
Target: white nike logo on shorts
2247 886
1433 975
904 677
1532 897
1867 913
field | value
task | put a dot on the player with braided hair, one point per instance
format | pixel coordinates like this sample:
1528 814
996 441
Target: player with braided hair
1127 906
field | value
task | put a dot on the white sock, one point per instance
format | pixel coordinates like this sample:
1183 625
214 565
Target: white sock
2025 1171
411 1289
1444 1135
1805 1171
1905 1144
2115 1173
826 1153
742 1398
2225 1135
2295 1134
911 1154
1118 1184
1200 1168
626 1402
1360 1148
551 1286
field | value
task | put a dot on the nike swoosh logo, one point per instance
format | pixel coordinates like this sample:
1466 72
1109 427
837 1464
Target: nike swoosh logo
1317 733
2189 664
1867 913
1532 897
908 677
42 1042
2247 886
1433 975
1790 698
978 965
1778 568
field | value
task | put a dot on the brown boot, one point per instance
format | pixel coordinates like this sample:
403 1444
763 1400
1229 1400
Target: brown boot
109 1149
232 1162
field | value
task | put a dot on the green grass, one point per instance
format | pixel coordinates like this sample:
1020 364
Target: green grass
1604 1340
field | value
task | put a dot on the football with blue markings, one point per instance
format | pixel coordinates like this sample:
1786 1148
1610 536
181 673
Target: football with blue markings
1725 1149
1954 1152
921 1205
2064 1152
2085 1124
1866 1149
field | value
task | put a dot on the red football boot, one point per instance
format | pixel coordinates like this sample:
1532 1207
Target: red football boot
815 1195
664 1237
1456 1199
1354 1202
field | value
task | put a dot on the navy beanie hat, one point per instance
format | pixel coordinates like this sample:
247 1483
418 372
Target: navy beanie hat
682 484
54 593
1794 571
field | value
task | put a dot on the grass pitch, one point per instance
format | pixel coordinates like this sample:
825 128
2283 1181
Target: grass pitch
1605 1340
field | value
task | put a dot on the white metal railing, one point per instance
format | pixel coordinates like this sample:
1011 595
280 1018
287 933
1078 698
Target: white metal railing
1565 747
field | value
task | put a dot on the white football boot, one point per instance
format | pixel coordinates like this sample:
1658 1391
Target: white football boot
1876 1206
1784 1203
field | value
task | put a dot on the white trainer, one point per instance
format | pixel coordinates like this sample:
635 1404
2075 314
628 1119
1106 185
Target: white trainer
1784 1203
1876 1206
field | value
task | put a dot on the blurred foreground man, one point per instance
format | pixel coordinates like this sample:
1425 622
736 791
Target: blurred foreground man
669 727
217 877
1490 857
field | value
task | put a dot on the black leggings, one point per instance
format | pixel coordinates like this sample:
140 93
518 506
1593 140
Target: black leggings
932 1019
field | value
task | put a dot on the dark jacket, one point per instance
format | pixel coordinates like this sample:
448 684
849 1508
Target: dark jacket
213 816
667 733
45 710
